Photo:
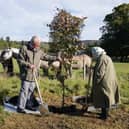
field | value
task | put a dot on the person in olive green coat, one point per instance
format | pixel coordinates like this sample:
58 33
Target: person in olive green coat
29 60
105 91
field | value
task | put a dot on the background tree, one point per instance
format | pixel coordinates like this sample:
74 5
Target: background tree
65 31
115 32
8 41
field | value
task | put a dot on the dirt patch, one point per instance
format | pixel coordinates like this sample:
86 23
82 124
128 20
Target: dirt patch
69 117
119 119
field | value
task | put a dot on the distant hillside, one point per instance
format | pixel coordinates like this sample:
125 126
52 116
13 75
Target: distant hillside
91 42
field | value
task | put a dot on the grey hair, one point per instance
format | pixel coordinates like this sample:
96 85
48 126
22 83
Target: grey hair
33 38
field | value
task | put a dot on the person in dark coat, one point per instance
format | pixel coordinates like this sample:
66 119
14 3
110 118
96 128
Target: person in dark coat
105 91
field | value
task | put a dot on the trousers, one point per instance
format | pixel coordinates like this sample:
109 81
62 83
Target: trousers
26 91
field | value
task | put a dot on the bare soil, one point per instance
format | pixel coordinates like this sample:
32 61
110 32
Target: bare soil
119 119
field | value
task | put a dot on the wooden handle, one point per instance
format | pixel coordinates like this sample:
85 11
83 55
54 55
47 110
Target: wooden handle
37 85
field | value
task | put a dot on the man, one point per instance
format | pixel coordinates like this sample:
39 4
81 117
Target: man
105 90
29 60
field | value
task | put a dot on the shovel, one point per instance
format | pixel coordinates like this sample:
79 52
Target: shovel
43 108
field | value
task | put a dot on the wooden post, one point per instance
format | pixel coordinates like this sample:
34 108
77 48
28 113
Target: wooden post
84 69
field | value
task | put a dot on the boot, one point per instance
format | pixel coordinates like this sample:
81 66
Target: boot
104 113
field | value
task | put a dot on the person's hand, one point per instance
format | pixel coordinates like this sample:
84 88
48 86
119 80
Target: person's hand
59 57
32 66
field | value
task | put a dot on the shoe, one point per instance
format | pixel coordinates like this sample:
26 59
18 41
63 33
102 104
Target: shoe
31 108
104 114
19 110
103 117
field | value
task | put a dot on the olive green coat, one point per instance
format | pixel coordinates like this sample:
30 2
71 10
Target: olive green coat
29 56
105 90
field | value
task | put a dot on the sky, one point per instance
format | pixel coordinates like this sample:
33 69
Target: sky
21 19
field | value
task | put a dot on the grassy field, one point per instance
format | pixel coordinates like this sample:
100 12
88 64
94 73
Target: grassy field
52 91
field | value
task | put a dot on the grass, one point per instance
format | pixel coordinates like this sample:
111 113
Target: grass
74 86
122 70
10 86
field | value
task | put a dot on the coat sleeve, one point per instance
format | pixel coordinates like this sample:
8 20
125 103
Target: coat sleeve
47 57
101 70
22 58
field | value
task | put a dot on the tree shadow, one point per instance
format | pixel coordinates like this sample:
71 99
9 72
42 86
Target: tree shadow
71 110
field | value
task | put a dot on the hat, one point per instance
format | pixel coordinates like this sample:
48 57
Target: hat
97 51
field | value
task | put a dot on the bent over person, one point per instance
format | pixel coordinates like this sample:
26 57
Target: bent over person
29 59
105 92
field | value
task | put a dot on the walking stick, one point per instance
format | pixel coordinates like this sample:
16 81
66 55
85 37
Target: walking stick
89 80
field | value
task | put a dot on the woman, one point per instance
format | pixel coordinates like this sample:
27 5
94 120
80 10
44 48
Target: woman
105 90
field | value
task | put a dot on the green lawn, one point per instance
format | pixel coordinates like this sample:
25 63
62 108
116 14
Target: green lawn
75 85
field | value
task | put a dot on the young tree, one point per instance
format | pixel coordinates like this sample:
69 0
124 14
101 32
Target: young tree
115 32
65 31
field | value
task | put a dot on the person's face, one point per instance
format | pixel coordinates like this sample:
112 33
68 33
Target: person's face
94 57
36 42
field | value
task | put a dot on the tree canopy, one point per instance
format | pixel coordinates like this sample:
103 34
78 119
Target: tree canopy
65 31
115 32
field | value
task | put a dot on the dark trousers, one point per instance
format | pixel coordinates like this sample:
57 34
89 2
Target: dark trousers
104 113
